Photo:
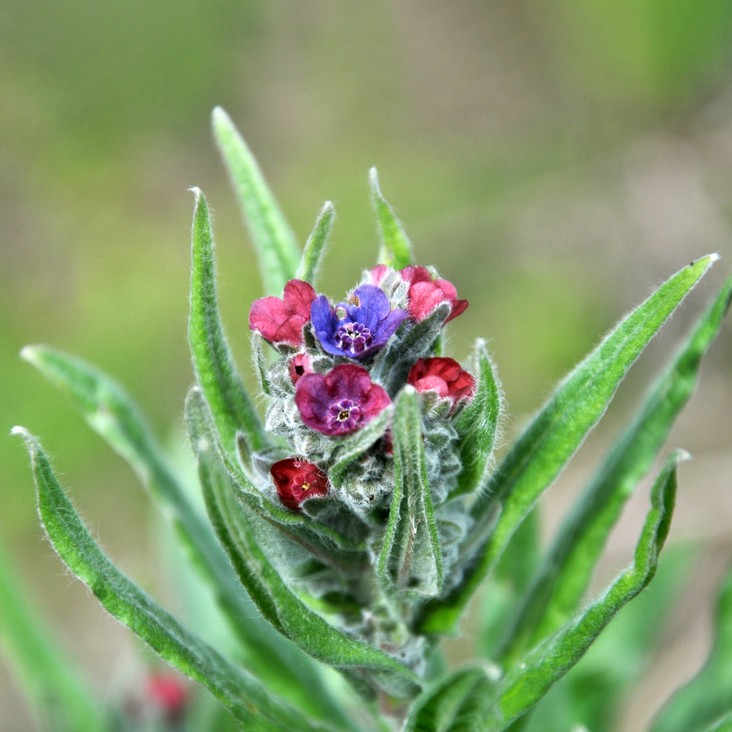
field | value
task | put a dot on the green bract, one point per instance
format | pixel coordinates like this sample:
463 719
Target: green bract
337 599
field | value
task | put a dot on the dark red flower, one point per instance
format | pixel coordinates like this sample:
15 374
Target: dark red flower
444 376
341 401
298 480
281 320
426 293
299 365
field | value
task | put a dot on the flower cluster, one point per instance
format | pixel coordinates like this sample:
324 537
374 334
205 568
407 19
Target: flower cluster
342 364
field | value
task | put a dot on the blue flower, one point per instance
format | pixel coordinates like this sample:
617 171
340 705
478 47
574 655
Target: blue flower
357 328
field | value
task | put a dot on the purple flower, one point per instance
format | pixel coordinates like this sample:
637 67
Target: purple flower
341 401
358 328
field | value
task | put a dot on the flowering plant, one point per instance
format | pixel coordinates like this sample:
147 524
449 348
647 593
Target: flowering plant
350 528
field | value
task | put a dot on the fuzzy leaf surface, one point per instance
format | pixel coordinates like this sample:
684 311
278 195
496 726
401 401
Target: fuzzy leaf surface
232 408
312 254
110 411
251 704
564 576
465 701
554 435
396 249
477 425
239 531
411 558
273 239
536 673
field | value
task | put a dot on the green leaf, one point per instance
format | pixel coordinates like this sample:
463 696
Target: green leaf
231 407
723 724
244 696
243 533
535 674
411 558
315 245
274 241
58 697
707 696
556 432
566 572
396 249
391 365
465 701
110 411
477 425
352 447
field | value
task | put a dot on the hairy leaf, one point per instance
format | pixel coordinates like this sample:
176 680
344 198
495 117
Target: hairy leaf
554 435
245 697
315 245
534 675
231 407
238 531
396 249
111 412
274 241
411 558
565 574
477 426
465 701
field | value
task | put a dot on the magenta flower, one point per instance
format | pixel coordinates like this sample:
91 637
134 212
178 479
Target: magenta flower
341 401
298 480
444 376
281 320
426 293
358 328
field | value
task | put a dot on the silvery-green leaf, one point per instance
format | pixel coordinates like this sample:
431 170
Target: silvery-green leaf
250 703
554 435
534 674
231 407
410 342
477 425
464 701
396 249
411 558
274 241
110 411
354 446
312 254
564 576
239 532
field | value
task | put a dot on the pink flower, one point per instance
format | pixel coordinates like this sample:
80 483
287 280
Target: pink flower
298 480
444 376
426 293
341 401
281 320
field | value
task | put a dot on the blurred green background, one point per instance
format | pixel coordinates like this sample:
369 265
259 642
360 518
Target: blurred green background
555 159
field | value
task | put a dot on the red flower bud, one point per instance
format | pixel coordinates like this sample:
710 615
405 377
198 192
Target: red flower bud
444 376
